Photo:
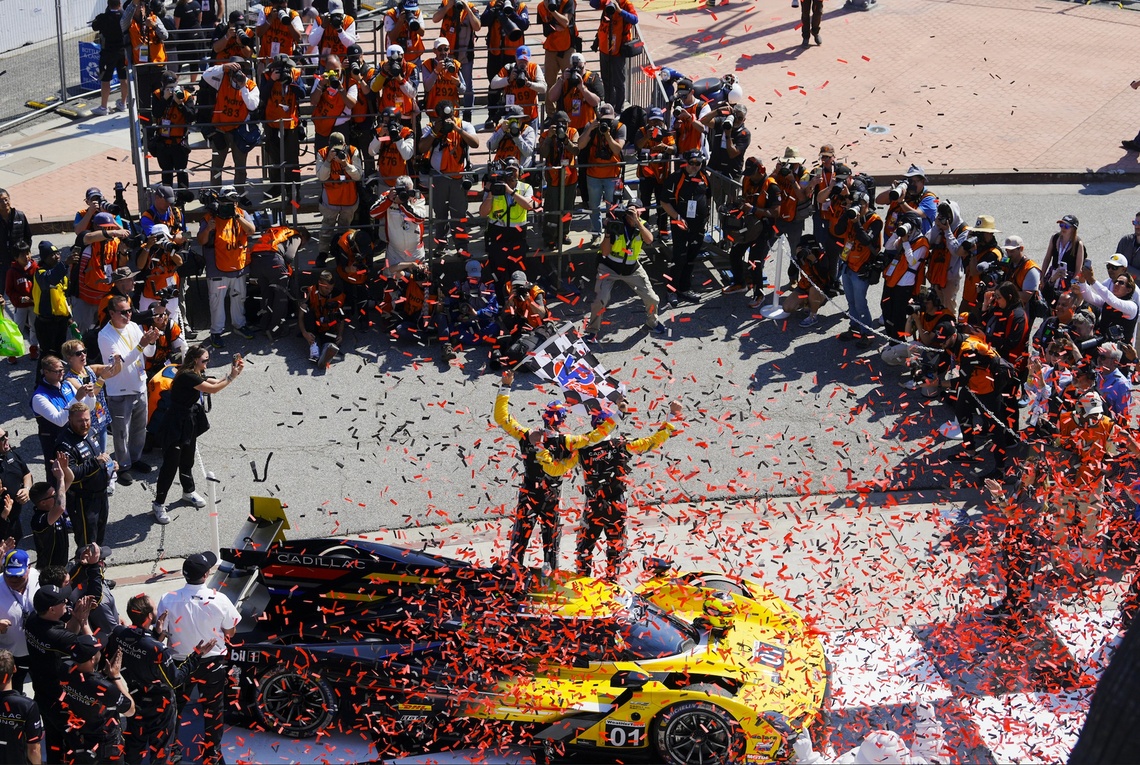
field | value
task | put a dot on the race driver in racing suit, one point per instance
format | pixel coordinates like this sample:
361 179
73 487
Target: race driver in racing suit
540 492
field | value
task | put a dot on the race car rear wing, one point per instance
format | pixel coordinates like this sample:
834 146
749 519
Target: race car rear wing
265 525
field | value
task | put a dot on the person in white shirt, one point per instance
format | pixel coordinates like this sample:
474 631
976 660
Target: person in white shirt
189 616
20 583
336 25
126 391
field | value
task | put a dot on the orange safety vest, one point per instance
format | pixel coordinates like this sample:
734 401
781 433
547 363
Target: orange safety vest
689 138
788 203
278 36
522 95
605 164
271 239
162 275
330 43
390 94
892 220
146 47
982 379
281 107
566 162
453 160
158 384
230 110
389 164
327 110
364 99
411 42
900 266
560 39
446 85
231 245
615 31
579 110
497 43
164 343
656 170
172 124
938 261
1018 276
361 275
233 48
448 29
340 190
970 285
327 311
95 280
855 253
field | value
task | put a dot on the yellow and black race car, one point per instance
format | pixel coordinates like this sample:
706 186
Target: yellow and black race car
433 653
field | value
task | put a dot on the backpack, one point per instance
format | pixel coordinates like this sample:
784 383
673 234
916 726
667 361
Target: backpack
868 184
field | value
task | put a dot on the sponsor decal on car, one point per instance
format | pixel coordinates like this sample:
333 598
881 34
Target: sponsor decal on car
245 657
621 733
317 561
768 654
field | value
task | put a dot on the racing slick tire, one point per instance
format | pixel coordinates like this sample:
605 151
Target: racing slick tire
294 704
692 732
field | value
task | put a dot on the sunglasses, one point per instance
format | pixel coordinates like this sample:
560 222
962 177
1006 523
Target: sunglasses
1065 226
1111 267
80 352
125 312
1135 222
1121 283
160 315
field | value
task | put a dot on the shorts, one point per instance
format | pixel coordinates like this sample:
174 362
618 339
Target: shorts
112 62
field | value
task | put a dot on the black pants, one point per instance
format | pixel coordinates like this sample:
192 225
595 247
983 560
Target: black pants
176 458
495 62
54 726
150 79
650 188
506 248
613 80
282 150
88 513
209 679
273 281
52 333
896 309
755 245
967 406
538 501
687 246
1018 556
224 143
172 157
557 201
606 515
811 14
152 729
88 750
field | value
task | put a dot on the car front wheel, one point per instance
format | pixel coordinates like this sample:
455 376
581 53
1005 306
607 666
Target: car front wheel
294 704
698 733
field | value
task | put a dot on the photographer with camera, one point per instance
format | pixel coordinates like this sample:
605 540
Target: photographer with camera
172 113
339 169
321 320
395 86
687 195
273 262
506 203
558 149
474 309
829 189
728 140
981 252
281 100
95 203
393 146
1112 299
859 232
111 26
102 254
158 261
620 261
442 78
560 34
447 139
353 254
233 39
687 119
402 212
163 211
525 323
600 145
459 24
332 36
656 148
909 195
506 24
404 26
171 341
521 84
615 33
224 236
332 98
576 91
905 251
148 51
238 97
1026 274
748 226
280 30
793 180
1006 324
812 266
944 265
514 138
921 326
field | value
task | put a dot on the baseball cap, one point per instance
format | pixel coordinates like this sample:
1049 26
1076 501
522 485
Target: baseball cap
514 110
47 248
230 193
160 232
336 6
693 154
169 78
605 110
915 171
92 192
16 563
103 219
47 597
336 139
1071 220
198 565
827 150
441 42
166 193
1116 259
84 648
577 58
523 52
411 5
474 269
657 113
519 278
1014 242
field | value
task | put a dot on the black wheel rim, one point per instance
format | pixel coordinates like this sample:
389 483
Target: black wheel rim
699 738
294 703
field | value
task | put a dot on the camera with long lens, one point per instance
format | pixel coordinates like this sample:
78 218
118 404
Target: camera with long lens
449 66
107 207
403 193
340 154
899 190
513 127
609 10
285 74
210 200
414 25
354 68
179 95
904 230
615 224
393 127
605 126
336 20
945 213
332 80
560 132
520 75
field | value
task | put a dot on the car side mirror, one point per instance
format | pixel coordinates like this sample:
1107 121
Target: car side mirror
629 678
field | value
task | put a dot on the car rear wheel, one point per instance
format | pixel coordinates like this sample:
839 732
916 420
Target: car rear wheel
294 704
698 732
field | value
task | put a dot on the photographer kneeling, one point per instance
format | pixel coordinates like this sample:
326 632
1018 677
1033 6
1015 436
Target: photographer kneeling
523 320
506 202
812 276
620 261
321 320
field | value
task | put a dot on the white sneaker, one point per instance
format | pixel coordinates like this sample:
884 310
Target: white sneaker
119 107
99 111
195 499
161 517
951 430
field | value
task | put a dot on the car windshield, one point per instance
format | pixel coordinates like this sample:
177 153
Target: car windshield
650 633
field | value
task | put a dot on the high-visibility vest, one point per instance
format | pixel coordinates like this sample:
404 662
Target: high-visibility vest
327 110
389 162
627 253
508 147
327 311
855 254
271 240
1018 276
230 109
391 95
689 137
562 168
600 160
559 40
146 47
281 107
500 210
330 43
278 35
578 109
346 246
446 85
172 123
522 95
900 265
614 31
340 190
497 42
231 245
970 283
96 278
938 260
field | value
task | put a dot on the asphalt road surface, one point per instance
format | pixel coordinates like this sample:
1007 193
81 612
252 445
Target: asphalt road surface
390 437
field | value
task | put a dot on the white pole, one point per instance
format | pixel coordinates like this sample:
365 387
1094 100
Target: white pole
775 311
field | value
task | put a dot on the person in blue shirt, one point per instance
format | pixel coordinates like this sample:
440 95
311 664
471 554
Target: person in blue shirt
1111 383
909 195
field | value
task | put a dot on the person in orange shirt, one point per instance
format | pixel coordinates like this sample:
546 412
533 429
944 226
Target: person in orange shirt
506 24
558 148
333 98
171 115
281 99
238 97
560 34
233 39
576 91
600 146
339 169
321 320
614 30
521 84
458 24
280 30
335 33
224 237
148 49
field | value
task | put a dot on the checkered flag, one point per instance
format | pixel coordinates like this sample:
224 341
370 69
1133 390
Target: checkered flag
565 361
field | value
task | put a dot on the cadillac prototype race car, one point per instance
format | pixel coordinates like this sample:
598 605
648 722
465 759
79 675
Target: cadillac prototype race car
432 653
